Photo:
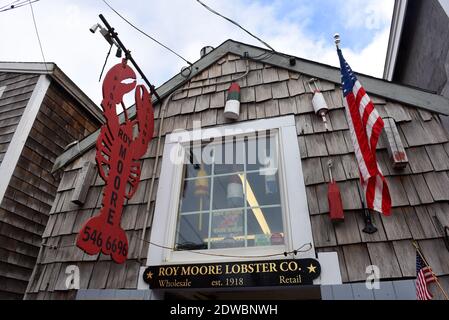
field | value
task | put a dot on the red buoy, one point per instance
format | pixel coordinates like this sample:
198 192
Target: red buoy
335 203
334 196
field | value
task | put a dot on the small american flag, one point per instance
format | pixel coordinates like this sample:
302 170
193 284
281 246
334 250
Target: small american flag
365 126
424 276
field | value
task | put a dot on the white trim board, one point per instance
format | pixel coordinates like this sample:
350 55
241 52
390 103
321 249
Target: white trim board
297 213
2 89
297 217
397 24
17 143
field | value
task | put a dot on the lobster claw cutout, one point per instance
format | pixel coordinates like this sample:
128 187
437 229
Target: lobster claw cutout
118 152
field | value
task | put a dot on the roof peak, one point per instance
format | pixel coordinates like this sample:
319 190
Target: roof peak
52 70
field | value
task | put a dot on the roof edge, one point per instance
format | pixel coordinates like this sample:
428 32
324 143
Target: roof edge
52 70
395 92
163 91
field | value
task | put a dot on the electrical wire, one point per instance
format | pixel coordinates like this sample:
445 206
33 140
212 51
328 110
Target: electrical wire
13 6
262 56
9 5
145 34
37 34
235 23
104 65
286 253
303 249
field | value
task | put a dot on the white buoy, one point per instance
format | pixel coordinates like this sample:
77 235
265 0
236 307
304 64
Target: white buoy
319 104
235 191
232 108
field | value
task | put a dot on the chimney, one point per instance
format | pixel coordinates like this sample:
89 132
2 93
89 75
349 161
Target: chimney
206 50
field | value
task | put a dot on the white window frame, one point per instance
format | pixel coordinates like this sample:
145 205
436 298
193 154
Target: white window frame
298 230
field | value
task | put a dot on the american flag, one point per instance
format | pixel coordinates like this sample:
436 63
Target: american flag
424 276
365 126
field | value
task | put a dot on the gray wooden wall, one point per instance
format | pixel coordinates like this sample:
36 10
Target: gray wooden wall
25 207
17 91
423 59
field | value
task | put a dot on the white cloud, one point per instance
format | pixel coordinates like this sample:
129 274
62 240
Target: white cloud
368 61
183 25
370 14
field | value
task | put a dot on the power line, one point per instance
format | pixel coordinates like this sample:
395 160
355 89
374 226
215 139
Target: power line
235 23
9 5
145 34
13 6
37 34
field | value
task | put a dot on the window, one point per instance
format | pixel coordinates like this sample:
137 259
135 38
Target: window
230 195
235 190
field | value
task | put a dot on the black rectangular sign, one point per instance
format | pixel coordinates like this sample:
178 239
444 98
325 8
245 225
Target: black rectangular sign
233 274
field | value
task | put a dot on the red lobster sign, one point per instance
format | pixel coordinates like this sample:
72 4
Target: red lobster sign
119 149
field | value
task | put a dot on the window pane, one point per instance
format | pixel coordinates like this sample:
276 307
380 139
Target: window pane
263 188
192 231
228 229
192 170
195 162
195 195
228 192
265 227
229 157
230 198
261 153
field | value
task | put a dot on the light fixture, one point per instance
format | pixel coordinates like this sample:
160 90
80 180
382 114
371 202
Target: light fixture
95 27
119 52
104 32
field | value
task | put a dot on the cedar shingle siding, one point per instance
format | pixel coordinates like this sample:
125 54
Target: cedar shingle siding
25 208
17 91
419 192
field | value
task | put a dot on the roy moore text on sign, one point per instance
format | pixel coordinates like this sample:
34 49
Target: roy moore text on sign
237 274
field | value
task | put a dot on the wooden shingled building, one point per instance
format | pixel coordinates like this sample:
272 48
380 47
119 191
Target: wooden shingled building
284 210
41 112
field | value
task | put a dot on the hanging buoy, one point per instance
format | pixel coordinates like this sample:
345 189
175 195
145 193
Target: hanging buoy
201 190
232 108
319 103
202 183
235 191
334 197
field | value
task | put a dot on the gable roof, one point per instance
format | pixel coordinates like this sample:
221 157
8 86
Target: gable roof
60 77
400 93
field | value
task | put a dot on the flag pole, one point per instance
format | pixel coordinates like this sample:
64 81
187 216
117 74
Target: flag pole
433 273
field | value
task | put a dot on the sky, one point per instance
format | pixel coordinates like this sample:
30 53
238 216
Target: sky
302 28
